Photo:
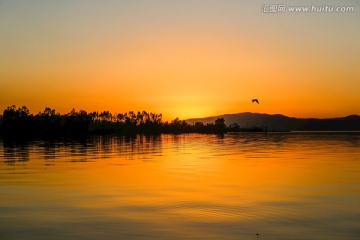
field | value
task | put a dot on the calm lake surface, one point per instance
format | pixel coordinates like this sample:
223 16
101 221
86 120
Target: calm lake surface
279 185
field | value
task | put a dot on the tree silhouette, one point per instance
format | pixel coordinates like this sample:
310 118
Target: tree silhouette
19 122
220 125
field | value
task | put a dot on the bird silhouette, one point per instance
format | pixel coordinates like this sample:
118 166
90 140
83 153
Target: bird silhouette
255 100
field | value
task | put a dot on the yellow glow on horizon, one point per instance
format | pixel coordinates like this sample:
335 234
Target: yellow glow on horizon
181 63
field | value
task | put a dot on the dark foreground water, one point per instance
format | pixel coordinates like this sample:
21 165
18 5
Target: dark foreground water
276 185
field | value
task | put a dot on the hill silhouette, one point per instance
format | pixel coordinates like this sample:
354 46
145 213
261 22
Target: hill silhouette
20 123
278 122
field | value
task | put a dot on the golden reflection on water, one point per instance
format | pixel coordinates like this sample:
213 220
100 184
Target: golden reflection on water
285 186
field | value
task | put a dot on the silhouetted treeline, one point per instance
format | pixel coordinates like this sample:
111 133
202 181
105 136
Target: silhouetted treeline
19 122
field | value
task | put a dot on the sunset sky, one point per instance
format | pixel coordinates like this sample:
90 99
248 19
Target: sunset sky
181 58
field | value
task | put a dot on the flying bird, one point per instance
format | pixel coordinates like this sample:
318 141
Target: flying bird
255 100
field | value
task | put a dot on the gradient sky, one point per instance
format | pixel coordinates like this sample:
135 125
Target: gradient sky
181 58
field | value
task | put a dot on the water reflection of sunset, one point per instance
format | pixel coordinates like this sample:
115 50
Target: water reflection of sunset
173 179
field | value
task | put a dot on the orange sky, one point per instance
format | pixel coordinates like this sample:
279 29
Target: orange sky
179 58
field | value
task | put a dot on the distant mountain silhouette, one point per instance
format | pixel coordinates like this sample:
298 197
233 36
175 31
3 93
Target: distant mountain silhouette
278 122
19 123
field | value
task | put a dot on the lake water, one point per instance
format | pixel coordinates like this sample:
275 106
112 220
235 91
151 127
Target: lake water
276 185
